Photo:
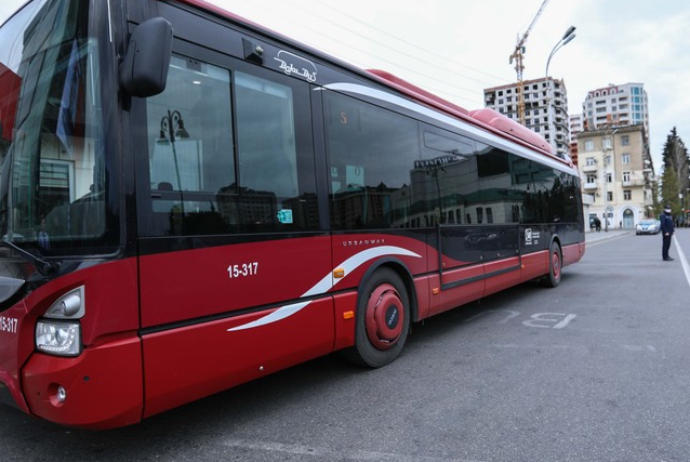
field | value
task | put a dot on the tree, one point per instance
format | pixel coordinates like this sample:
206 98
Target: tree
669 189
675 187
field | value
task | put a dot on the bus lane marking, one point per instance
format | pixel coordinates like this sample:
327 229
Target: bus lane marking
539 320
544 320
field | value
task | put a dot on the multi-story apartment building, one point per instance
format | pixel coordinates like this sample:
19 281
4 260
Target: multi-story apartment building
616 105
617 172
576 126
545 108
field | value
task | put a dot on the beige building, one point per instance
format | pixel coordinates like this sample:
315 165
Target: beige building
616 171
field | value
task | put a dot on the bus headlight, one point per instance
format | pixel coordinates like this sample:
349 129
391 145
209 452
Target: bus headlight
59 331
58 337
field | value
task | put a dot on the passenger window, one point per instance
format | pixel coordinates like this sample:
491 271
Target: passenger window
451 178
214 170
372 154
190 127
266 136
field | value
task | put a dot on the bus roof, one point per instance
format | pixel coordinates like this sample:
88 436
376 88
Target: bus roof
485 118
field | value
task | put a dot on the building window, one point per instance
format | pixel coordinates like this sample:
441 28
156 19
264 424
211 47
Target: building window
626 177
609 196
627 194
607 143
589 145
625 158
609 178
625 140
591 178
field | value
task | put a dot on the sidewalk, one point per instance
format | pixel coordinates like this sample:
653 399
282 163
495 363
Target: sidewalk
593 236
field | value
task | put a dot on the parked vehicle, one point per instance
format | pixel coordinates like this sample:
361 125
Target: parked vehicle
648 227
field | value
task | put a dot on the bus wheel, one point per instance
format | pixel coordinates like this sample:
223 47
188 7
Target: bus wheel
383 320
555 261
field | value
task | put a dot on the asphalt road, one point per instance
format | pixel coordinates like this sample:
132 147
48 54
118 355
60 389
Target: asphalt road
595 370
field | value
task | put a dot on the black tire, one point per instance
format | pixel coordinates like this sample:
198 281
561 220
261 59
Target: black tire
553 279
383 320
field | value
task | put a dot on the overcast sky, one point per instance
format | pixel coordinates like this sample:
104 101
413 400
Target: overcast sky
456 48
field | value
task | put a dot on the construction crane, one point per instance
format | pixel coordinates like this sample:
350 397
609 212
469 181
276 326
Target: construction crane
517 56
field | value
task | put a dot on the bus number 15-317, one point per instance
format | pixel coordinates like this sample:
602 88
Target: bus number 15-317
243 270
8 324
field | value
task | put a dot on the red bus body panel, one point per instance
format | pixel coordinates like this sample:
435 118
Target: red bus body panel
507 274
573 253
104 384
196 283
192 362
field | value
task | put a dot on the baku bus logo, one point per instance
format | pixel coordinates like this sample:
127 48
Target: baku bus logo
295 65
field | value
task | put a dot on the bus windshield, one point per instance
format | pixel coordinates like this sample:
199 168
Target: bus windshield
52 177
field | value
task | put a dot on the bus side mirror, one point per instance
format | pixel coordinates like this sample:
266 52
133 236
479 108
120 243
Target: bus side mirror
144 71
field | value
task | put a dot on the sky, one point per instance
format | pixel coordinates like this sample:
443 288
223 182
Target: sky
457 48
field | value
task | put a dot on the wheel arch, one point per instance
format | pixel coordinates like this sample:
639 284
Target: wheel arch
401 270
556 240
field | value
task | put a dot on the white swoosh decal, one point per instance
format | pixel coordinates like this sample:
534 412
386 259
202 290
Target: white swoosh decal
326 284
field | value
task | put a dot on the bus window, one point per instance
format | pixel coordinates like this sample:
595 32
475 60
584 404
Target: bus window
372 154
212 173
190 139
450 171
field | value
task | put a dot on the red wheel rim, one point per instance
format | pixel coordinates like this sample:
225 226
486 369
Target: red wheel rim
384 317
556 265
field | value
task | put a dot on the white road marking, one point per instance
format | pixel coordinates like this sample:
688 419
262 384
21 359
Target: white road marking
333 453
683 260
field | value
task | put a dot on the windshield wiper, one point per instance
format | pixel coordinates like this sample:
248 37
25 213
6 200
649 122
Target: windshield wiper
42 266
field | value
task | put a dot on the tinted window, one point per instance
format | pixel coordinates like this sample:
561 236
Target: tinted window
224 153
372 154
448 177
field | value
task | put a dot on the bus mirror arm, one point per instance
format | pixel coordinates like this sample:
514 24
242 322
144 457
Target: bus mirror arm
144 69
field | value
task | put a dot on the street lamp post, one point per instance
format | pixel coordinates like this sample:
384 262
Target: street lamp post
172 127
567 37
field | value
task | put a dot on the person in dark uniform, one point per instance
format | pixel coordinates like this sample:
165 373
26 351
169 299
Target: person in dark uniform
666 232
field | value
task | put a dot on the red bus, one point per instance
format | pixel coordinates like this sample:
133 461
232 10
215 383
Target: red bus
189 201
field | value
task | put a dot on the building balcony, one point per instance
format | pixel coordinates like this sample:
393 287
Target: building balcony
589 168
634 182
591 186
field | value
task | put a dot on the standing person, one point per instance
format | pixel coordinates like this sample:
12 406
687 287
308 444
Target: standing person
666 232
